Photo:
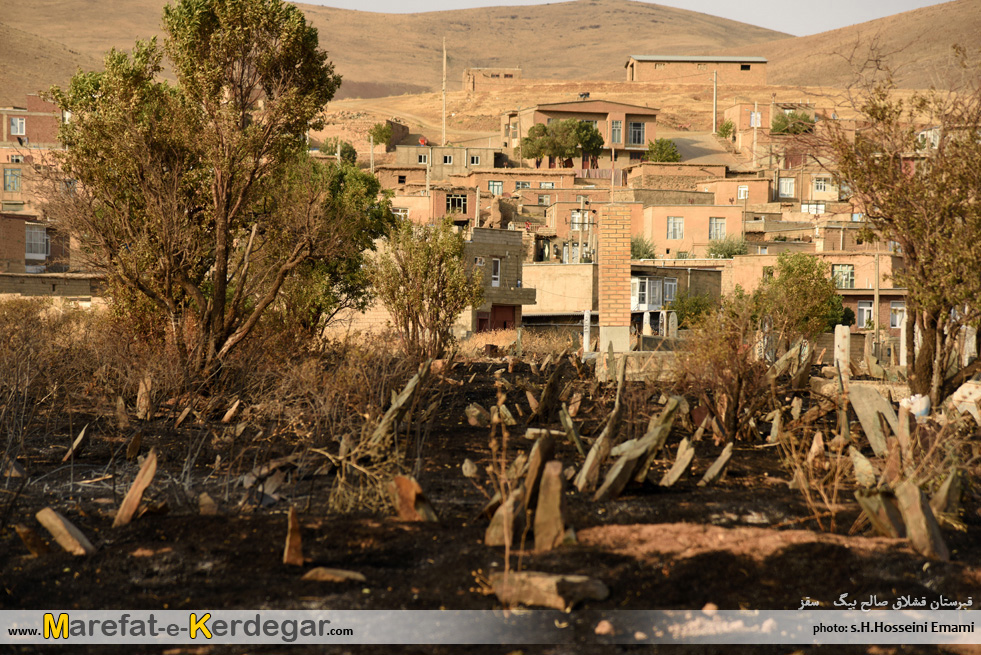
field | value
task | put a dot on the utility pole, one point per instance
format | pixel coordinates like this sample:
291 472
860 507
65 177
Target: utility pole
756 125
444 91
715 101
371 140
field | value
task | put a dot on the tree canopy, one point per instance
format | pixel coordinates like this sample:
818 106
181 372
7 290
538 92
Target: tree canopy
794 122
561 140
199 196
728 248
662 150
799 299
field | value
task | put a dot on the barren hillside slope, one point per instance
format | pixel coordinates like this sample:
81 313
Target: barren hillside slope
29 64
916 43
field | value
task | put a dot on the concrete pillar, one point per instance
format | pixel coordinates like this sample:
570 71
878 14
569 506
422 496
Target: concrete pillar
614 277
647 325
843 338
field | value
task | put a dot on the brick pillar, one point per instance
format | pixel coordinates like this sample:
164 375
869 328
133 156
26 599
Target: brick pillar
613 258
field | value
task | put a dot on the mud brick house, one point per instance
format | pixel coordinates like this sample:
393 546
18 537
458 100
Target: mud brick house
687 69
626 129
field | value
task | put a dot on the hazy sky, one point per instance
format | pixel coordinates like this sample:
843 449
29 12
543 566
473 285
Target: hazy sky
795 17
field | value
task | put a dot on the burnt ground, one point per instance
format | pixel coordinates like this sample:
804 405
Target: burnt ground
747 541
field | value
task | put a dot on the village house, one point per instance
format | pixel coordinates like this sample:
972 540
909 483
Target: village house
688 69
626 130
685 231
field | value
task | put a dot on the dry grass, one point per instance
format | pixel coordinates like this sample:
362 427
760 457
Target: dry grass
534 343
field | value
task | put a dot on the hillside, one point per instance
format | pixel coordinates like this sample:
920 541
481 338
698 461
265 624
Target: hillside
916 43
386 54
29 64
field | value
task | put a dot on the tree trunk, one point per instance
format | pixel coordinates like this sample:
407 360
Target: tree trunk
921 373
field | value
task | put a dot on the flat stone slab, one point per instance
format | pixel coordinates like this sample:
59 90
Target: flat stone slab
883 513
410 502
293 552
681 463
868 404
324 574
70 538
921 526
550 519
537 589
865 473
508 521
135 494
718 466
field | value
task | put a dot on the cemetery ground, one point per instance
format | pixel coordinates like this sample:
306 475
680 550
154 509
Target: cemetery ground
210 529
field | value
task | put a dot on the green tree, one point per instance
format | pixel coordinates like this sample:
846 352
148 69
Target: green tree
794 122
533 146
690 307
925 200
799 300
188 195
662 150
642 248
726 129
590 141
727 248
381 133
322 286
330 148
423 279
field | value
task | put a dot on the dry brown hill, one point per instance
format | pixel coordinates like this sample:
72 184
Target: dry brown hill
384 54
29 64
917 44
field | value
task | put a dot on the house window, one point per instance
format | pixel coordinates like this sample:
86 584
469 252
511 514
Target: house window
447 159
742 192
401 212
645 293
820 184
843 275
17 126
495 272
897 314
786 187
863 318
508 76
544 200
496 187
756 119
670 289
36 239
401 179
636 134
857 217
659 64
522 185
717 229
812 207
546 185
456 202
11 179
702 67
577 220
744 67
16 159
616 131
763 250
682 254
423 159
475 160
676 227
593 123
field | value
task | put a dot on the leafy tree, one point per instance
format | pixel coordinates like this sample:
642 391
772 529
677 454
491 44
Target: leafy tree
193 195
727 248
726 129
534 145
794 122
662 150
322 287
690 307
590 141
381 133
348 154
642 248
799 300
424 281
926 201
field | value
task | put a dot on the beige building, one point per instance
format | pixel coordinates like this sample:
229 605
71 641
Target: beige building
626 129
442 162
685 231
686 69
